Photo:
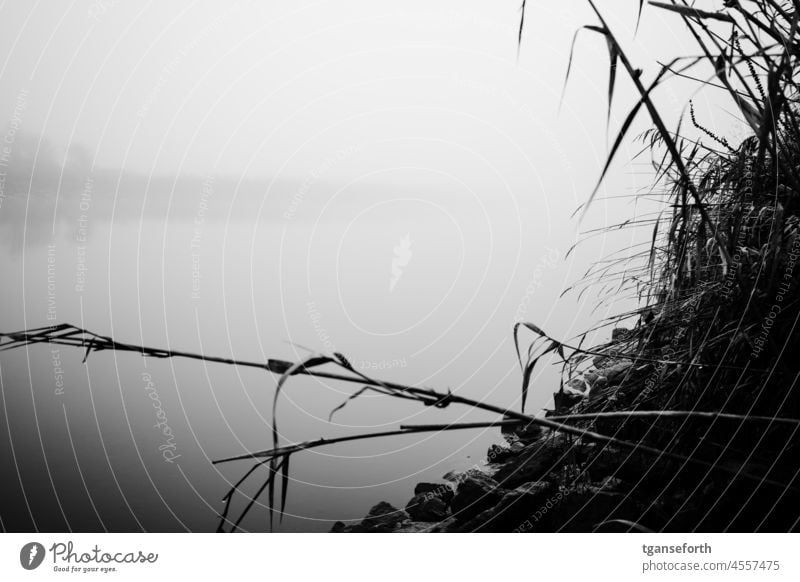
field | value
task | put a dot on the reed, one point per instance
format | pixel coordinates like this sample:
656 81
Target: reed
706 356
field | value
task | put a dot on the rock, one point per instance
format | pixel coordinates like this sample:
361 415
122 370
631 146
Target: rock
383 517
611 483
478 524
523 500
527 489
442 490
423 487
498 454
591 376
584 511
476 492
534 465
512 510
452 476
617 371
607 371
524 432
416 527
427 507
620 334
600 361
448 525
455 477
563 401
578 386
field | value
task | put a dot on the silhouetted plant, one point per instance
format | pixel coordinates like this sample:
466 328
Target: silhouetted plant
724 243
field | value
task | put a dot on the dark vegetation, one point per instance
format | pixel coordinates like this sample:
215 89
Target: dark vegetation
688 418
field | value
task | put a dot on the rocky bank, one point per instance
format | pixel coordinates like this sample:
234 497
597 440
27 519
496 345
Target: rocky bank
536 481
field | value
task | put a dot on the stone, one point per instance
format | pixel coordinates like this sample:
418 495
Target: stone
423 487
620 334
479 523
511 511
537 462
498 454
523 432
427 507
448 525
591 376
416 527
455 477
531 488
600 361
476 492
442 490
563 401
611 483
617 371
584 511
383 517
578 386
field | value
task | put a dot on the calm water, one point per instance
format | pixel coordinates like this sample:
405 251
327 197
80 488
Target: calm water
415 287
408 184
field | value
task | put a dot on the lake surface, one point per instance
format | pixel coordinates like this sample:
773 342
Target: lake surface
392 182
420 286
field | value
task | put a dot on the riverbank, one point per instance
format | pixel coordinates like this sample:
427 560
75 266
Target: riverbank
542 481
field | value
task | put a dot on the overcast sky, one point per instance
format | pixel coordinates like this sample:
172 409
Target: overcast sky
246 87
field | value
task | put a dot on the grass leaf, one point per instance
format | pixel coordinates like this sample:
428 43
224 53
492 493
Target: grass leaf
284 484
690 12
348 399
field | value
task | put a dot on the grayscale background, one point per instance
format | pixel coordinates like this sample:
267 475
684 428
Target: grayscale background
388 180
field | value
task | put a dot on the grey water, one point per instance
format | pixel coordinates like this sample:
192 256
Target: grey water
419 288
261 181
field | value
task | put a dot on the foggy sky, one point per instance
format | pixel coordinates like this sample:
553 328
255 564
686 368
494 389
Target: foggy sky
390 180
